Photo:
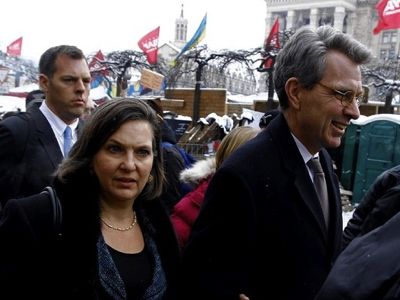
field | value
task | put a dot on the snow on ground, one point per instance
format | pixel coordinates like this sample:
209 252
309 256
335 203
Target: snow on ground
11 103
346 217
239 98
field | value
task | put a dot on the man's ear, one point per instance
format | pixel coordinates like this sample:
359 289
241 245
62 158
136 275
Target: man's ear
44 83
293 91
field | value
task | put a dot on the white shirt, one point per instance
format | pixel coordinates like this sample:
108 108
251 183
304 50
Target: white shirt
306 155
58 126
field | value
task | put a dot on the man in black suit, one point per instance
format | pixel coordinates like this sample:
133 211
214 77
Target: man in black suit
263 232
32 144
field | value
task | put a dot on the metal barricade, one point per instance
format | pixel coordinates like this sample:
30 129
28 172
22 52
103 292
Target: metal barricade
200 151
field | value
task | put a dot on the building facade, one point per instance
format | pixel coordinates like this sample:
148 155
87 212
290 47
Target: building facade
355 17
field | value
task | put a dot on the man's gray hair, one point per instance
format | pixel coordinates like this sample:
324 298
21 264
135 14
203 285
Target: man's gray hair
304 57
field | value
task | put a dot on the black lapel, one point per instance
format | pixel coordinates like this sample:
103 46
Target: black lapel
46 137
295 166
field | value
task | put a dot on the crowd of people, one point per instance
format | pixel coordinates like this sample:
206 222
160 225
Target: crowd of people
104 206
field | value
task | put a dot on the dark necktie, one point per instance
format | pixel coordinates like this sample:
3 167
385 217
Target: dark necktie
67 140
320 186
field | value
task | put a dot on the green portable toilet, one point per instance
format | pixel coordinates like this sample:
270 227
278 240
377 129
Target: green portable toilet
350 151
378 150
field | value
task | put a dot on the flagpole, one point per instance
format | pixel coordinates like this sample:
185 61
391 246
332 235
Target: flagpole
197 93
194 41
271 45
270 101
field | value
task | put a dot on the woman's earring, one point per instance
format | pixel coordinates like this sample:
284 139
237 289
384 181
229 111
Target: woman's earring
150 178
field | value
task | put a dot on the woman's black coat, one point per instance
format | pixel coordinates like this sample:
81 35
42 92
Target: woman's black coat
37 263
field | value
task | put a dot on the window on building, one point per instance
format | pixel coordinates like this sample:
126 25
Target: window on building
385 37
394 37
389 37
392 54
383 54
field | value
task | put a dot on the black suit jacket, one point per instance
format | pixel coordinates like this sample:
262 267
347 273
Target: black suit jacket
261 230
29 155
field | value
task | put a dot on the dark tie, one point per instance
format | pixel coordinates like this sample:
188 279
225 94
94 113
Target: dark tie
67 140
320 186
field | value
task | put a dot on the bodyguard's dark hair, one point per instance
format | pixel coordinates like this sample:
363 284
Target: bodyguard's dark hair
304 57
47 62
103 123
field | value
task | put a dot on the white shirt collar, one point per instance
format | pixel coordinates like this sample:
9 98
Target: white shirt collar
305 154
56 123
303 150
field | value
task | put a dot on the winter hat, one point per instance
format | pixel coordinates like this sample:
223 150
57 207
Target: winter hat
268 117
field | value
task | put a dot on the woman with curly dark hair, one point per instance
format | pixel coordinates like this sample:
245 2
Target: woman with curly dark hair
104 235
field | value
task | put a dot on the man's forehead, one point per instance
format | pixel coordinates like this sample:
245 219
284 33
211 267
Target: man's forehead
71 65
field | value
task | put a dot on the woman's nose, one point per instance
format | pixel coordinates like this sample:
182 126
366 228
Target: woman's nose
129 163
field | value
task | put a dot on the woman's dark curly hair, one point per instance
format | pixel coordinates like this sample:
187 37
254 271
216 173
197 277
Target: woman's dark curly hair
104 122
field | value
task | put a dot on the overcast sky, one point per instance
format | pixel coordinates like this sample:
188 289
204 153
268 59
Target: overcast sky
118 24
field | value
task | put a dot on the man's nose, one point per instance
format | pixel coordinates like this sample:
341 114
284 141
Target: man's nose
353 110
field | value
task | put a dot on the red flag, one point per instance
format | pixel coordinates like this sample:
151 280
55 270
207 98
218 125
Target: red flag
14 49
149 45
272 41
95 65
389 15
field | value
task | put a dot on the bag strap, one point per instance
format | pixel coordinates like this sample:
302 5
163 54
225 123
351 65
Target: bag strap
56 208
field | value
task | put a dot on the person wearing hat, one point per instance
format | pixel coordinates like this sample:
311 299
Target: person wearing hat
268 117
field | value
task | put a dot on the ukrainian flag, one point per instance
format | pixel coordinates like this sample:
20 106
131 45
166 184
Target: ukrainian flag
196 38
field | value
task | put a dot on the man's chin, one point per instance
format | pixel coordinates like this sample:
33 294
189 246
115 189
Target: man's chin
77 112
333 143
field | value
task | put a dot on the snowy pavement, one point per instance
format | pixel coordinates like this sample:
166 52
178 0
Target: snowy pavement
346 217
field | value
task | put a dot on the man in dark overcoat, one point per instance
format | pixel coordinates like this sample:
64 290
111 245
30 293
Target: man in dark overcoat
267 228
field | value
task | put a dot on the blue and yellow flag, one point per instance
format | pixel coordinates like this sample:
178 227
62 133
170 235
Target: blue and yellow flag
196 38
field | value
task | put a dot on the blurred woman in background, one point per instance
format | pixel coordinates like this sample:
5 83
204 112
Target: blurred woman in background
199 175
